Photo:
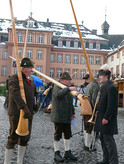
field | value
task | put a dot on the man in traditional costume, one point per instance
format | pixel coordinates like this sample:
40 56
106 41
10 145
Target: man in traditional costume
15 104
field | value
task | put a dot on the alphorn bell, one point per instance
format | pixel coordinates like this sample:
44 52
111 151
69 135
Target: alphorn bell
91 120
22 128
86 108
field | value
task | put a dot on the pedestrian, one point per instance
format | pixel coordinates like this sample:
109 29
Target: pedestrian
61 115
92 90
106 121
7 94
15 104
82 91
83 86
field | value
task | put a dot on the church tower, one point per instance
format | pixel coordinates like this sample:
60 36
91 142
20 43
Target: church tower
105 26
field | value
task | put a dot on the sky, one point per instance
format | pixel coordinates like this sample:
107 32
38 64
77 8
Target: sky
91 12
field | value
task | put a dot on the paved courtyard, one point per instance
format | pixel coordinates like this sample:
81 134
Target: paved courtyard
40 148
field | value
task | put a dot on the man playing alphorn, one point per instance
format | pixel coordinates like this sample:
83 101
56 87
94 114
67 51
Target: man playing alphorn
15 104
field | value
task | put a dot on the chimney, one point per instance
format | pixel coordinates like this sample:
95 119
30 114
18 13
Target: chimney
94 31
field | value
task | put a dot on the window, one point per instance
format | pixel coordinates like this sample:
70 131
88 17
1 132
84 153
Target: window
67 43
68 58
19 37
5 55
90 59
83 60
39 68
98 46
59 71
30 38
123 53
59 43
20 53
31 24
96 72
75 44
51 72
4 70
122 69
67 70
52 58
98 60
83 72
39 55
112 58
29 54
75 59
90 45
75 75
40 39
59 58
118 55
117 70
111 71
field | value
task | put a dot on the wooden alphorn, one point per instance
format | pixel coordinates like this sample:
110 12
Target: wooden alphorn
82 43
22 128
86 108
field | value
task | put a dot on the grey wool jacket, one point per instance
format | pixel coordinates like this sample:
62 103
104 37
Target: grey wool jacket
62 105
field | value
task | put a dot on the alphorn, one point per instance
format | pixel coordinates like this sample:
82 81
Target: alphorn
22 128
82 43
75 73
91 120
86 108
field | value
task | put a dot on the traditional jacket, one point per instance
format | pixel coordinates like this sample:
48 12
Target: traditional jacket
62 105
15 99
107 109
92 90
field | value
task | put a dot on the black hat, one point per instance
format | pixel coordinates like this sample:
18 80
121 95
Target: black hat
104 70
26 62
86 76
65 76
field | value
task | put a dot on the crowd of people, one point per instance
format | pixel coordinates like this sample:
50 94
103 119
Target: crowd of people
63 112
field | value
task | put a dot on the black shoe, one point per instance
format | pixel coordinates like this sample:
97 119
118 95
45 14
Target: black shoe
89 149
69 155
58 157
102 162
86 148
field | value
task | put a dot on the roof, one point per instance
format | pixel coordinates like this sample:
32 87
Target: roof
63 30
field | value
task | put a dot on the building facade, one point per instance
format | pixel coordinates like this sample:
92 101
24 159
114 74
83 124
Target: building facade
53 47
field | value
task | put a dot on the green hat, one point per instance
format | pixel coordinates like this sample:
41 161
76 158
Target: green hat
65 76
26 62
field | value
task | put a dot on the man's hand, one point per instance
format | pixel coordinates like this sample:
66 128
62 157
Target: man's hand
104 121
27 113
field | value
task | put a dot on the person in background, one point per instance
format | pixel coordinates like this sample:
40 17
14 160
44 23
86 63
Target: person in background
82 91
7 94
61 115
92 90
87 81
15 104
106 121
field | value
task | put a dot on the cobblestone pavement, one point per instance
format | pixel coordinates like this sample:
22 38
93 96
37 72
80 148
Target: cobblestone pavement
40 148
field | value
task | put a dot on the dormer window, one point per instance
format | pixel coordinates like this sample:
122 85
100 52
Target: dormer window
31 24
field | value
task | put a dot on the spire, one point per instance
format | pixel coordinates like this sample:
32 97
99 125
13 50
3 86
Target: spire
105 26
31 9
